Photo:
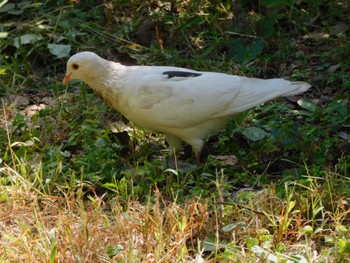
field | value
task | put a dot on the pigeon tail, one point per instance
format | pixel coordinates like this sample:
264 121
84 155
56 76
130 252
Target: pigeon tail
298 88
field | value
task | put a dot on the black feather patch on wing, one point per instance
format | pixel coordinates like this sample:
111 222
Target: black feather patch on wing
182 74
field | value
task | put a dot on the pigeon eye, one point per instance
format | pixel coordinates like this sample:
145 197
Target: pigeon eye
75 66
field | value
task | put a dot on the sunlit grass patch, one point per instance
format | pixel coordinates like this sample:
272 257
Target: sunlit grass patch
77 226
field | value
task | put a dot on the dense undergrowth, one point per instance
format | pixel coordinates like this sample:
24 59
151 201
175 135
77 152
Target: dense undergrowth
80 183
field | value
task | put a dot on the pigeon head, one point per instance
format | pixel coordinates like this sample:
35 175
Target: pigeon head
83 66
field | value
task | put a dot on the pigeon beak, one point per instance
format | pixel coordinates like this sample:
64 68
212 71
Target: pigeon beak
66 78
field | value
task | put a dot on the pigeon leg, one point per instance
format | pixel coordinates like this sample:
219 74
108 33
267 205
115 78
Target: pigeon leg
198 159
197 145
175 144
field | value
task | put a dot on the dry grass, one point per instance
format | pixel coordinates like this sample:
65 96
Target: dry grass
75 228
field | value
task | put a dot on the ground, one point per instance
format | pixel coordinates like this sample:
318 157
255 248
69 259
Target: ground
81 183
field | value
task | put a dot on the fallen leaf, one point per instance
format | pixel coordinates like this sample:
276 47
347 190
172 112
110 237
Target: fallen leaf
316 35
344 135
60 51
21 101
333 68
5 8
254 133
308 105
47 100
133 46
339 28
26 39
227 160
32 109
117 127
3 34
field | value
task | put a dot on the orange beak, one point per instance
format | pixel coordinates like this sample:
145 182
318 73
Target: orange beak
66 78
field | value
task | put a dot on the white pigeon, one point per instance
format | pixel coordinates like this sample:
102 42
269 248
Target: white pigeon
184 104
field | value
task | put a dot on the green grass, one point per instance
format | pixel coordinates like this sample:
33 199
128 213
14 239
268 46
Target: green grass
74 189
